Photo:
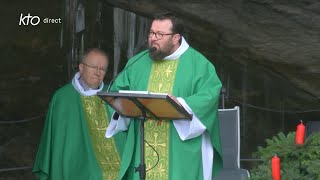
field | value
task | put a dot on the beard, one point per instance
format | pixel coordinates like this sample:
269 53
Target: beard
163 52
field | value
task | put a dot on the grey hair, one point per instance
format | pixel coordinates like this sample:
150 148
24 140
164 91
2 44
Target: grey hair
95 50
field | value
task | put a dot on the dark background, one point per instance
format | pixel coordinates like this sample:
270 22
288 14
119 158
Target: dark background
35 61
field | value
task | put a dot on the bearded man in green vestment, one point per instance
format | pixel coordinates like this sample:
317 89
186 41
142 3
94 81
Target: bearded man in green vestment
73 144
185 149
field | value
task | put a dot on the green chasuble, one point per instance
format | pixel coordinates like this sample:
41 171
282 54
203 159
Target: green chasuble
193 78
73 144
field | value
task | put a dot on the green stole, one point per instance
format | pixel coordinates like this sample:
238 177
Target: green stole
157 134
105 149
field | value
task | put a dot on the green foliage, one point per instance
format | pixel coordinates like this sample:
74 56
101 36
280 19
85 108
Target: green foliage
297 162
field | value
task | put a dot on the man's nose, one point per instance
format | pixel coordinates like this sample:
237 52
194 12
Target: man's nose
98 71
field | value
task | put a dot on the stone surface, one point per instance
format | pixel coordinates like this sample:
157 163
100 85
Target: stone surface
281 37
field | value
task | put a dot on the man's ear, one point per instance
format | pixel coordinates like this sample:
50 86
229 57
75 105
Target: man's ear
177 38
81 68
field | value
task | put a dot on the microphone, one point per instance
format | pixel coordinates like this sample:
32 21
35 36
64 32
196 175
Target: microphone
151 50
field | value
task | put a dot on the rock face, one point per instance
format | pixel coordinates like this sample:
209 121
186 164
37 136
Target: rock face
281 38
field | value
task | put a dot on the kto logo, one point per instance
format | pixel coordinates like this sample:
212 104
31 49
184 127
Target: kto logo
26 20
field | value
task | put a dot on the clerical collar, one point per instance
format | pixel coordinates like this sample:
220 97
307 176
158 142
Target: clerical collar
182 48
84 85
84 89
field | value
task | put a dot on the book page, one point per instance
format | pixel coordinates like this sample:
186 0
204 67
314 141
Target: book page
156 93
133 92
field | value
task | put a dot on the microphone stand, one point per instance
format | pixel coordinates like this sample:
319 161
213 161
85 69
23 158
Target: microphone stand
142 166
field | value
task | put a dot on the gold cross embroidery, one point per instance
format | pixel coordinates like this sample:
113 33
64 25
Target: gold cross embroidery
168 71
155 143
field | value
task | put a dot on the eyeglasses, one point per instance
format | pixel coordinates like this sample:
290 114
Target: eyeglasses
158 34
96 68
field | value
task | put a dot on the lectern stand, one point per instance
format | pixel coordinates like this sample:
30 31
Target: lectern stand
144 106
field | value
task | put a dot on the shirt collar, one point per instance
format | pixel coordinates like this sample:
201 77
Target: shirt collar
82 88
182 48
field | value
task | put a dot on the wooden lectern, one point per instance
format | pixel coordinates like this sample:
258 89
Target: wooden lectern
143 106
